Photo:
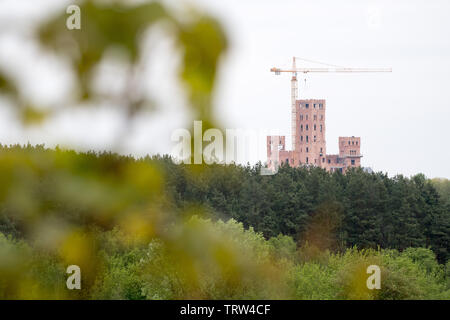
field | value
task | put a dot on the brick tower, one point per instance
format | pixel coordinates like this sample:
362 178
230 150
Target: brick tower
310 144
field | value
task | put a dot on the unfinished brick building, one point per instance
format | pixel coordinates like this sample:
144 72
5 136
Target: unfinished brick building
309 144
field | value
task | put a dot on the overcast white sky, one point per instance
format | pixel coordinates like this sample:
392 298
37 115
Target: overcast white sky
401 117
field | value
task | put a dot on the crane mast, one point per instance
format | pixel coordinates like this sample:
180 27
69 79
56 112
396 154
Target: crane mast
294 98
294 83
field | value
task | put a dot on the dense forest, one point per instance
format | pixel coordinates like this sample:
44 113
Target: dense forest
151 229
334 211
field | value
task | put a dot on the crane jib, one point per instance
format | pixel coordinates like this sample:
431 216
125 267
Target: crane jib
307 70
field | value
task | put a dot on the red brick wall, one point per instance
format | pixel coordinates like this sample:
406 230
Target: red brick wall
310 139
349 150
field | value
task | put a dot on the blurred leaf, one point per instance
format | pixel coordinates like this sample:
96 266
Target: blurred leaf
203 43
6 85
31 115
103 26
106 25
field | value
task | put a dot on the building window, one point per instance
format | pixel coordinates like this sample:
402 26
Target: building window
307 160
307 149
320 150
314 127
320 128
315 160
329 161
301 127
349 142
307 106
301 138
301 117
306 127
356 142
314 138
321 117
323 160
353 162
353 142
307 139
314 105
320 106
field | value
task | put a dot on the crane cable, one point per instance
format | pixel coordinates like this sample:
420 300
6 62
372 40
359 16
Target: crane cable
318 62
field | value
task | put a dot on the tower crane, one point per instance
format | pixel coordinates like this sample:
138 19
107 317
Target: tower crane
294 83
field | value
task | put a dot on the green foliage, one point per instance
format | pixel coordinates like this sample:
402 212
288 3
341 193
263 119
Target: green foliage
221 261
29 274
133 227
120 278
407 276
282 247
443 188
230 263
343 276
313 281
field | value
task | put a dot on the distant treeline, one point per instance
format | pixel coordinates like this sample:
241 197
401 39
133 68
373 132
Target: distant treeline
327 210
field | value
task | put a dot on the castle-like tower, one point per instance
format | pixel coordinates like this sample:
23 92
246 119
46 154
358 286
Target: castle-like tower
310 145
309 142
